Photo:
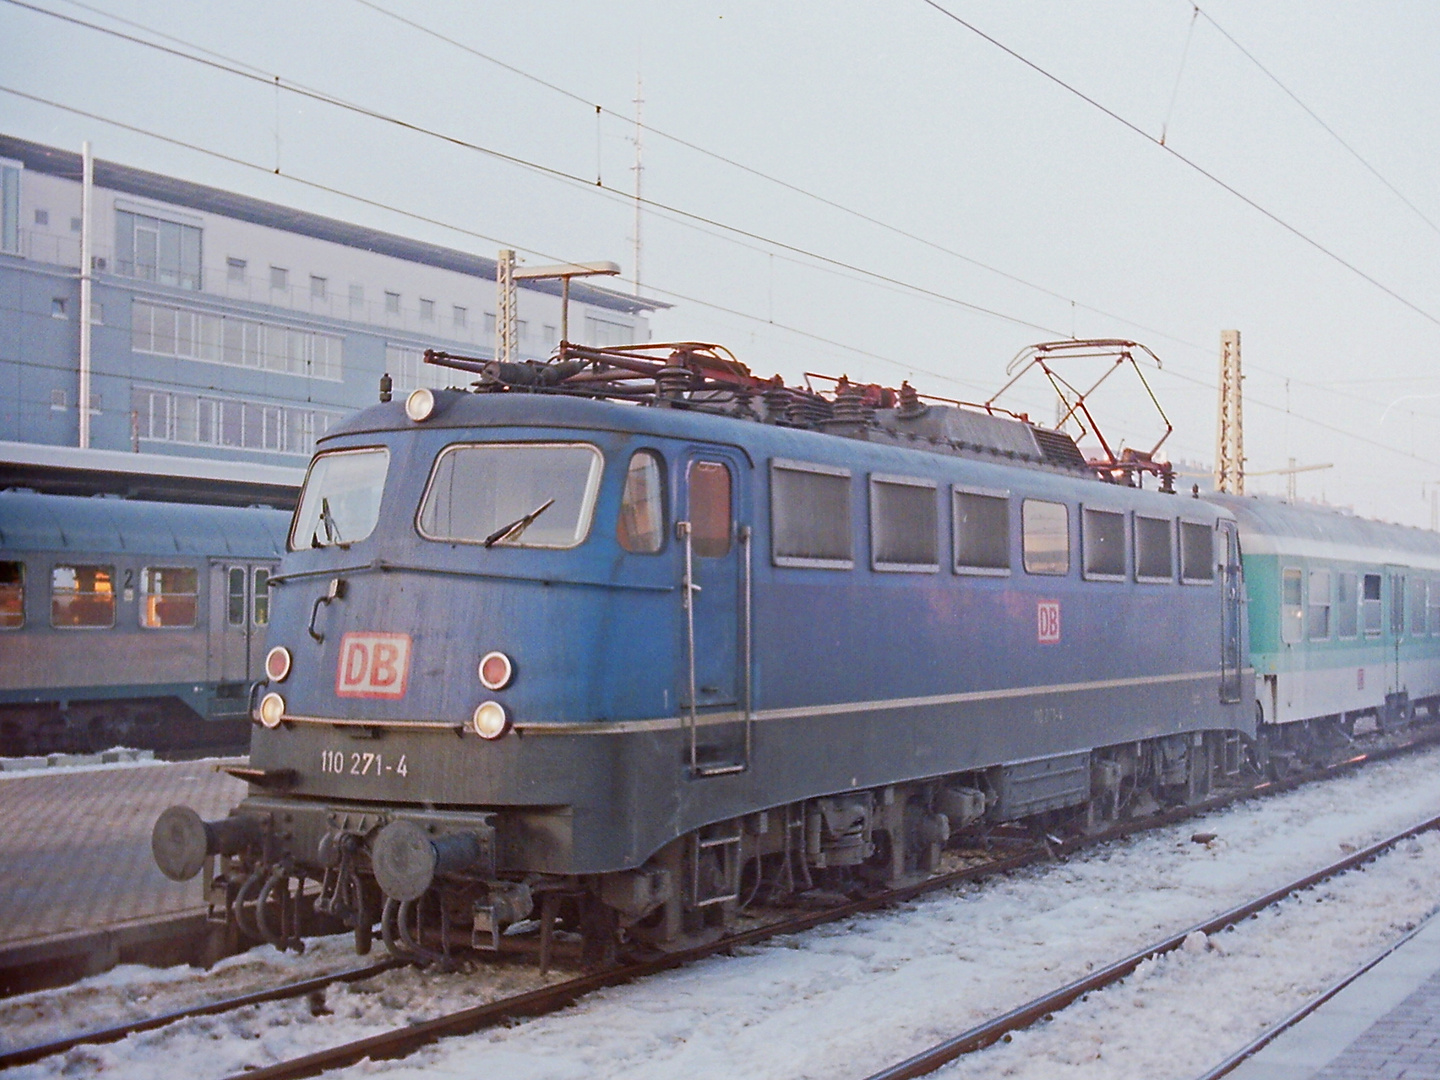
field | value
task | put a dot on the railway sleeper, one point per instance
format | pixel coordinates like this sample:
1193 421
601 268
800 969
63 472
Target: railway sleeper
432 880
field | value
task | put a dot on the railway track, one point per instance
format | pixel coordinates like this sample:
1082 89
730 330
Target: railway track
403 1041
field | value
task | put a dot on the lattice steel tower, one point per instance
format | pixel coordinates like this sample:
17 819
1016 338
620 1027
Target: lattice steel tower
1229 435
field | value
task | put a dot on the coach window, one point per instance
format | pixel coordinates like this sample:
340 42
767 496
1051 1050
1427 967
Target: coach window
1397 606
982 532
810 516
1045 536
82 597
1154 549
709 486
1370 605
340 503
1102 541
12 595
641 525
1435 605
1291 612
904 525
1347 607
1197 553
1419 603
1319 605
260 601
169 596
235 609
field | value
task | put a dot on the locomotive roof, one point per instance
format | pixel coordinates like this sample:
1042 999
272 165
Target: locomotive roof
35 522
1271 526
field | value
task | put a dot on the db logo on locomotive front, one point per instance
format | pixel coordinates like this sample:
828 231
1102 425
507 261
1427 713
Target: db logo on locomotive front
373 665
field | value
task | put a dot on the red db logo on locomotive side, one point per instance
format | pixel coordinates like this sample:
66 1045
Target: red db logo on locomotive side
1047 621
373 665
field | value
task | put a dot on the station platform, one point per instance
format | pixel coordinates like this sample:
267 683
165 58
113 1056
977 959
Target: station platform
77 881
1383 1026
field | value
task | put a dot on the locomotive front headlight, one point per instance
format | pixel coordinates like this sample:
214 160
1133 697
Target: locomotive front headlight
277 663
490 720
496 670
272 709
420 405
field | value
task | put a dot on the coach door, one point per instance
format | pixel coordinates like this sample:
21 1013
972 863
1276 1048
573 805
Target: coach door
239 614
715 597
1232 601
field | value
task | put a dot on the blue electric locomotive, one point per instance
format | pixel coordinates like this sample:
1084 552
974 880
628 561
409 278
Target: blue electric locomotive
626 640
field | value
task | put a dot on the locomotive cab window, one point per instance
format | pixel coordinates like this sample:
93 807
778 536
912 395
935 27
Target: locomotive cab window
1045 536
340 503
709 486
810 516
82 597
1102 540
1319 605
169 596
641 525
531 495
1370 605
982 532
1292 614
12 595
1197 553
904 524
1154 549
1347 605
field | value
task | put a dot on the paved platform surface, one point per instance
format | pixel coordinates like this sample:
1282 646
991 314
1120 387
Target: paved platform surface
75 846
1383 1026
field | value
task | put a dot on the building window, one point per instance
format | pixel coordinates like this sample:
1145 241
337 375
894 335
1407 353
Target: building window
603 332
235 270
489 324
1319 613
550 335
57 307
152 249
57 400
982 532
810 516
357 295
1154 549
169 596
9 208
97 313
427 310
200 420
641 525
1102 542
461 317
409 371
1045 536
12 595
392 303
202 335
42 217
76 224
904 524
82 597
522 330
279 277
318 286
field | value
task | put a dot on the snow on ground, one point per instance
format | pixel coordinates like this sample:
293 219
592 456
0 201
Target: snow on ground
850 998
120 757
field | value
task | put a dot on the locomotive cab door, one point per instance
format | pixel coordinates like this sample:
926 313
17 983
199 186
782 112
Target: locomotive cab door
714 687
239 613
1232 601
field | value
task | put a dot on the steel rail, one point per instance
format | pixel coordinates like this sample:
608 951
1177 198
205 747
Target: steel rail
400 1042
1023 1016
27 1054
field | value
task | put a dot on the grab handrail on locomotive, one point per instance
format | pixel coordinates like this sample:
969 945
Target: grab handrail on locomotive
622 643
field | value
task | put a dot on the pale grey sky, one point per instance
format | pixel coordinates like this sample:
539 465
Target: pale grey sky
900 114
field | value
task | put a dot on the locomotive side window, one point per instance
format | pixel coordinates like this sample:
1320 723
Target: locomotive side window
12 595
810 516
341 500
1435 605
1154 549
641 525
1102 540
1347 608
1370 605
260 604
1045 535
82 596
1197 553
904 524
537 495
1319 605
1419 603
169 596
709 484
1292 614
982 532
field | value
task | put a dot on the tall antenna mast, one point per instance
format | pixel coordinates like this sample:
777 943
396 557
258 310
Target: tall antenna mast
639 169
1229 436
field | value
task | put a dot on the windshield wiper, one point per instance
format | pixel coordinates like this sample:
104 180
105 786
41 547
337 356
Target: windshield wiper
332 531
518 526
